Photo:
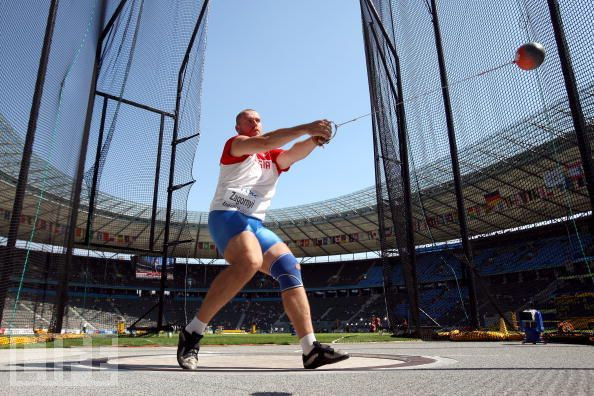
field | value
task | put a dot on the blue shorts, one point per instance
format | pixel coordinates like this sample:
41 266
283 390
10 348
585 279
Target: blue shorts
223 225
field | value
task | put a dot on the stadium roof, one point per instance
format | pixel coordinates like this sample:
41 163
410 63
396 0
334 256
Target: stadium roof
347 224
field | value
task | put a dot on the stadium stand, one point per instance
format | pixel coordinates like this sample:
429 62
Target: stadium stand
525 269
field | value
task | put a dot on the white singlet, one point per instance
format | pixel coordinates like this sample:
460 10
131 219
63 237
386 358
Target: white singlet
247 183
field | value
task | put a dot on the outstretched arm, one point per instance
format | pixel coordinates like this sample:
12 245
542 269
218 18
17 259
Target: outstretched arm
245 145
299 151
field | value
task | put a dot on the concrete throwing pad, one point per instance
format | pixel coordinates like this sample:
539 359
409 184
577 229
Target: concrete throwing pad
271 362
403 368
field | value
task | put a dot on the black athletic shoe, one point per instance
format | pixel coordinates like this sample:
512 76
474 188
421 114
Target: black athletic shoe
187 350
321 355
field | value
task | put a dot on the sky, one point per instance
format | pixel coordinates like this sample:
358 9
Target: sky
298 61
294 62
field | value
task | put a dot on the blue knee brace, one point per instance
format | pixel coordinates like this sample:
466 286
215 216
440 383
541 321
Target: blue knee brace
285 270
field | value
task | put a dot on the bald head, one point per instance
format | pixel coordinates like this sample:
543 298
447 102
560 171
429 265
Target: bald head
248 123
242 113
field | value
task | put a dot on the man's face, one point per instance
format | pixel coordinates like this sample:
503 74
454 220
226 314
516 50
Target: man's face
249 124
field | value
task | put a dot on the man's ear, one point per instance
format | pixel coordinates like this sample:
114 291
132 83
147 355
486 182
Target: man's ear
237 128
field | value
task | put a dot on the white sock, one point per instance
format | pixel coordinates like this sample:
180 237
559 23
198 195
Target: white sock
196 326
307 343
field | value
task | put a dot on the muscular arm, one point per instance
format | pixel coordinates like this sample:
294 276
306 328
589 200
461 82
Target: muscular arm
299 151
245 145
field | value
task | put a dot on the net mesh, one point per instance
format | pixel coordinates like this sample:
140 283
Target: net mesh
519 159
133 114
46 203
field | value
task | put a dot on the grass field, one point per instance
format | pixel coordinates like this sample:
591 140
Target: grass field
209 339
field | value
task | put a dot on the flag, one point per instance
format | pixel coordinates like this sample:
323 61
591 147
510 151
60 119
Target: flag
492 199
576 173
554 178
575 170
517 200
474 211
449 217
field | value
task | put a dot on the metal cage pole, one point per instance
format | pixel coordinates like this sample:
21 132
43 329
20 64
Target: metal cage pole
17 208
388 287
474 314
577 114
91 210
407 252
156 185
171 187
62 289
407 247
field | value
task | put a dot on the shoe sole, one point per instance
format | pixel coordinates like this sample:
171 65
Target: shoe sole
185 363
342 358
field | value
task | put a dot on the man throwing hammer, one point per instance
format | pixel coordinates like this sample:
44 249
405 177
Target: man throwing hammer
250 166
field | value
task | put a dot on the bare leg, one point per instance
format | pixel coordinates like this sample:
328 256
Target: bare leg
294 300
297 309
245 258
